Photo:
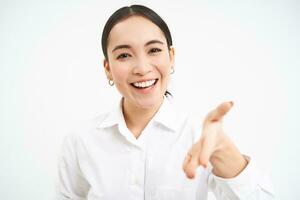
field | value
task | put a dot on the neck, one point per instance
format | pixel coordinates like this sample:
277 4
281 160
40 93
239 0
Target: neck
137 118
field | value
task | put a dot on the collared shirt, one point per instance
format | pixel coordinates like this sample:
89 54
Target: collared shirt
104 161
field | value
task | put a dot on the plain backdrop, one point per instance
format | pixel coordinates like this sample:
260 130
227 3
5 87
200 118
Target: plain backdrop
52 78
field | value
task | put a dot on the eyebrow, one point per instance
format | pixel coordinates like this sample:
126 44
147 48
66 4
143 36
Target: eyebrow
126 46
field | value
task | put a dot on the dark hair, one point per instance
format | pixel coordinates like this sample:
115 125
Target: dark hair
128 11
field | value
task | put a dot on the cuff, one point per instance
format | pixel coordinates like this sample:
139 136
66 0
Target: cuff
244 185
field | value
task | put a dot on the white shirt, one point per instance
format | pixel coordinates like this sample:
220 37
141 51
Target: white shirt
104 161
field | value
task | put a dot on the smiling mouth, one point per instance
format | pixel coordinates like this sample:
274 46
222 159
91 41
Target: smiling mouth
144 84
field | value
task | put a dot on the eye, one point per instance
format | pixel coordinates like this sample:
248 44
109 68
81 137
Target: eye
123 56
155 50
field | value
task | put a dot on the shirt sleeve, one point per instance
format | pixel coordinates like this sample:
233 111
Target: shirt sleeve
250 184
70 183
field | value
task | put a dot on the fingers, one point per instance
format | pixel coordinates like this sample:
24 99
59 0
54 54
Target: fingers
201 151
191 161
209 143
218 113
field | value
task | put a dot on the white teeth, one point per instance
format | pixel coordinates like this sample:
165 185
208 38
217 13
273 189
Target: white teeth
144 84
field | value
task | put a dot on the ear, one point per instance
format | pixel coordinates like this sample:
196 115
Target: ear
107 69
172 56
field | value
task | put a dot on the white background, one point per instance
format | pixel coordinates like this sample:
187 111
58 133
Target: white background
51 78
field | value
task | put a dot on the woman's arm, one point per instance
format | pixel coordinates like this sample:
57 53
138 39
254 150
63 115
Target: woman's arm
229 165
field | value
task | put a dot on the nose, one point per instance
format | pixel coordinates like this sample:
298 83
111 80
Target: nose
142 67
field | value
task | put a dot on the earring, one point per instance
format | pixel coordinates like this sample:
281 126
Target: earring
111 82
172 70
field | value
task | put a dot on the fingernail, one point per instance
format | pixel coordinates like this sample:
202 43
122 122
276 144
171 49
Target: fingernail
231 103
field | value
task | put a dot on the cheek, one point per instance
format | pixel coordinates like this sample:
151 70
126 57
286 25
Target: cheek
164 65
120 73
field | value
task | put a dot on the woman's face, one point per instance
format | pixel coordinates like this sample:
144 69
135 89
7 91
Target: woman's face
139 61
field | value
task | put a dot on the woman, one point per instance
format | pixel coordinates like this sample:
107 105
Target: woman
144 149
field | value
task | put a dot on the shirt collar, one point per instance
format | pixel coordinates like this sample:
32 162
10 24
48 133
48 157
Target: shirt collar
114 117
166 116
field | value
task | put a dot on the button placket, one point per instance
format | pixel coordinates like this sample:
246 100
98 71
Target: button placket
138 168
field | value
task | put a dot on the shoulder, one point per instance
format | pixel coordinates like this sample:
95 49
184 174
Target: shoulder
85 129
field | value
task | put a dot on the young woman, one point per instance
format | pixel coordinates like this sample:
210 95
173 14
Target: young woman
145 149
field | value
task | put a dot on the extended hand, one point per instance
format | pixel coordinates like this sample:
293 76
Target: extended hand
215 147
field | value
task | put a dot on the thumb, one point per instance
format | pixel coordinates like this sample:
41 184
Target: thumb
218 113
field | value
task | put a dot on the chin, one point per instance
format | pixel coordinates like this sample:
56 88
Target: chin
149 102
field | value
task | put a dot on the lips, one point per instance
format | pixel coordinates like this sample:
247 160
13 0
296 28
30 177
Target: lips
144 84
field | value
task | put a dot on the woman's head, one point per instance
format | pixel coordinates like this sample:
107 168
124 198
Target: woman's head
127 11
136 44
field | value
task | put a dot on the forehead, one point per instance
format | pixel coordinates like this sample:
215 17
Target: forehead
135 30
